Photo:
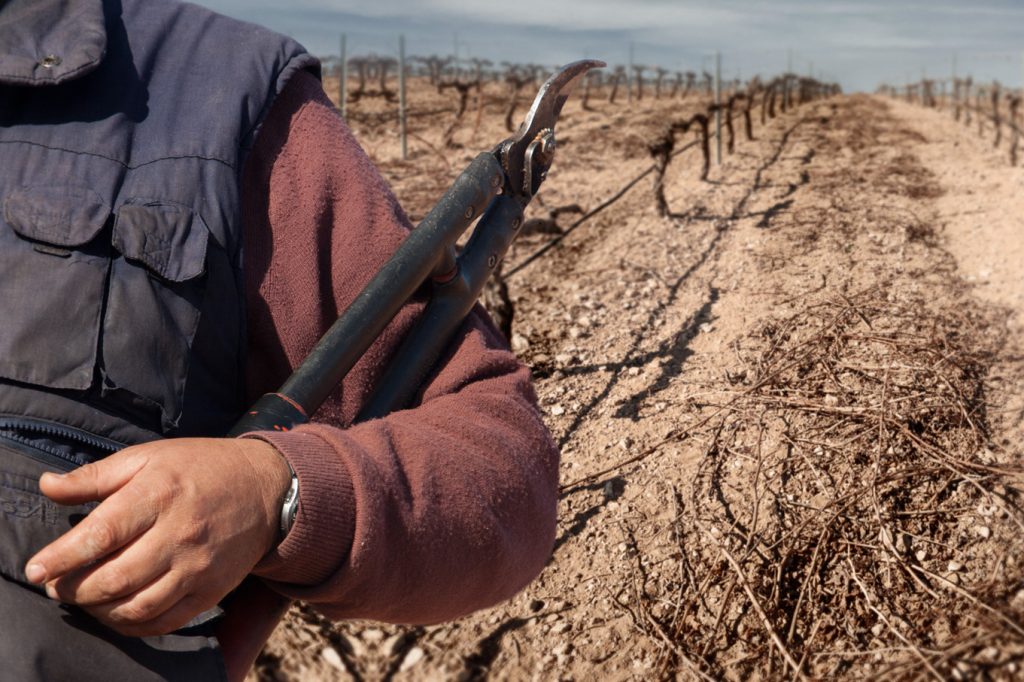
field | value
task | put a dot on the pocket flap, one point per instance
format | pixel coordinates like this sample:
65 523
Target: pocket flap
170 240
62 216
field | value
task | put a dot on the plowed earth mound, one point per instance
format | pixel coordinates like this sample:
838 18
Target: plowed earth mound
789 423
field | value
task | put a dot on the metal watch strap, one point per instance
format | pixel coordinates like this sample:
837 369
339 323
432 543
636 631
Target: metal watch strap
290 506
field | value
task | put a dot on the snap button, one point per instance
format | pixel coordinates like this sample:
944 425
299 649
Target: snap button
50 61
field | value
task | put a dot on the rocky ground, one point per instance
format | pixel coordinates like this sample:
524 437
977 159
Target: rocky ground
789 411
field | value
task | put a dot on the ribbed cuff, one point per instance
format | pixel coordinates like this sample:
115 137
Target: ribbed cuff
320 539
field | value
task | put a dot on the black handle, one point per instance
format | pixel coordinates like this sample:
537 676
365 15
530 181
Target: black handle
449 304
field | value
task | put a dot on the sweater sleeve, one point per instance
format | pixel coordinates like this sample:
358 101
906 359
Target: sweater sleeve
430 512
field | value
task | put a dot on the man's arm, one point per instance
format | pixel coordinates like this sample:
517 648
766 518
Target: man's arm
428 513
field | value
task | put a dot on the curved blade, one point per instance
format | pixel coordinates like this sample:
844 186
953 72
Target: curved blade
544 113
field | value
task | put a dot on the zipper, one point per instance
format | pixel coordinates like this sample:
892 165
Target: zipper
11 429
51 456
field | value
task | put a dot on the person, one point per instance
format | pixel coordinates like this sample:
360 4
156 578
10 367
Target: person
184 215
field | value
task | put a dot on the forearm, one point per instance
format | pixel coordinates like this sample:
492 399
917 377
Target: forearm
452 504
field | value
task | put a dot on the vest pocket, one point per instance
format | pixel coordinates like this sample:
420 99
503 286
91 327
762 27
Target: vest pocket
51 292
156 293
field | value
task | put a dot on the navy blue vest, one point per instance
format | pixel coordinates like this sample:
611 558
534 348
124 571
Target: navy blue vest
124 125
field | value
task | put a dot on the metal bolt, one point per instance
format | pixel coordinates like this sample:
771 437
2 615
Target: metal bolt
50 61
469 212
492 260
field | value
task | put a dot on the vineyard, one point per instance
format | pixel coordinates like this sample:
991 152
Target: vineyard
776 331
995 110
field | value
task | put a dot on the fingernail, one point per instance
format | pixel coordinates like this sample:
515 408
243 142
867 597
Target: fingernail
35 573
51 592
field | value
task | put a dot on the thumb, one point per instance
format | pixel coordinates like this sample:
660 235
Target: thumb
92 482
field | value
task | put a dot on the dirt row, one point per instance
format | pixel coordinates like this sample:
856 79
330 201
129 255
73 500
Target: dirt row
785 416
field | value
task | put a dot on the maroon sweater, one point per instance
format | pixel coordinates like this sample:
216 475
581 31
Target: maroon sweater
426 514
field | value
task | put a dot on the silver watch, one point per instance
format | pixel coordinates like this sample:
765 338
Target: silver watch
290 506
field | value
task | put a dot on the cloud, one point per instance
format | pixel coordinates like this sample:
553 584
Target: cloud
862 42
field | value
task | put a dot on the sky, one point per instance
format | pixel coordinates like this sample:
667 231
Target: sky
859 43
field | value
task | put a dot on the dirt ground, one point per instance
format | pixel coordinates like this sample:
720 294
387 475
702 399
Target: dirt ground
789 411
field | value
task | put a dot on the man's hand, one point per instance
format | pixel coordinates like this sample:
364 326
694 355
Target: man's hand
181 523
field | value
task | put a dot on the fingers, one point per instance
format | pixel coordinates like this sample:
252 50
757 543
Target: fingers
157 609
92 482
112 525
123 573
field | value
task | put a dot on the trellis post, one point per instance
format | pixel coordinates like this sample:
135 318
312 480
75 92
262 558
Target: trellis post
402 133
343 80
718 108
629 77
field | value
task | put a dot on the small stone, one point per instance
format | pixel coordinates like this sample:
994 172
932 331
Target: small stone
831 400
885 537
519 343
563 358
877 629
983 531
414 656
954 566
557 410
332 658
561 628
706 327
633 371
921 555
574 332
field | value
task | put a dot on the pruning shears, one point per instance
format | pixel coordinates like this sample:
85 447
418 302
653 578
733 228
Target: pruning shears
495 189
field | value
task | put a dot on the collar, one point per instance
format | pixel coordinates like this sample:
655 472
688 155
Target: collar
46 42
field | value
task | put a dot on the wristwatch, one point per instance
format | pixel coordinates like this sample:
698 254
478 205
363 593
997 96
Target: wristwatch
290 506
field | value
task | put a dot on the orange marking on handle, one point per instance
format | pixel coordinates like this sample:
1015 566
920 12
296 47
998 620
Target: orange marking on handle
291 402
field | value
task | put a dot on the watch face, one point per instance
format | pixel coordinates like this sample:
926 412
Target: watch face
290 506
